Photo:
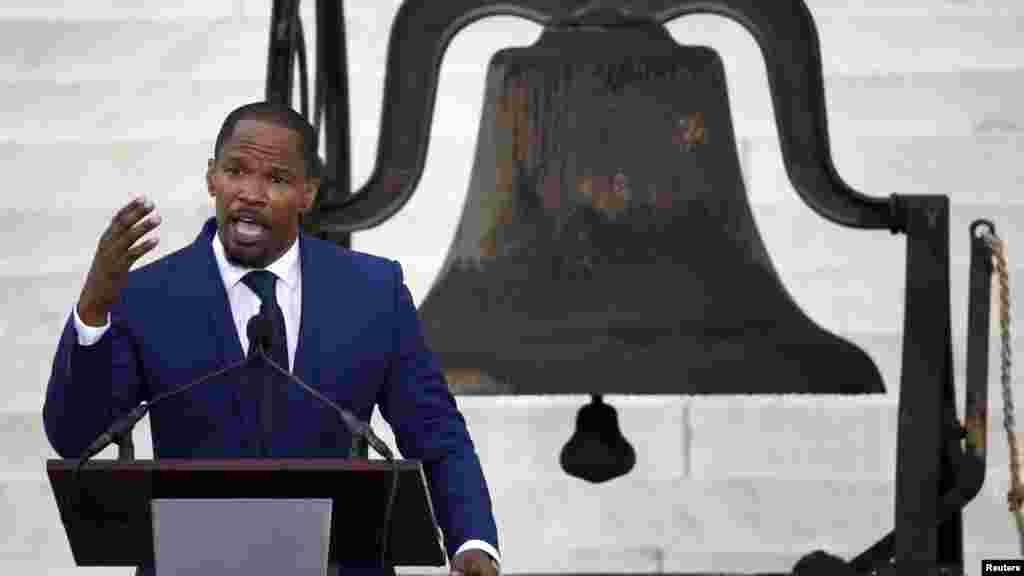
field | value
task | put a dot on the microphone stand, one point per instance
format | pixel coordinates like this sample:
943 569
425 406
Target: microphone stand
259 334
356 427
120 431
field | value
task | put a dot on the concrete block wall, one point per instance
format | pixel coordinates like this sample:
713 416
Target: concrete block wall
106 99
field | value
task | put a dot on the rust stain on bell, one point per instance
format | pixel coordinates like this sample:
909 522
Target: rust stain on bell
690 131
621 193
393 181
463 378
505 214
661 198
585 186
520 109
469 381
489 244
552 192
601 200
695 131
976 425
611 194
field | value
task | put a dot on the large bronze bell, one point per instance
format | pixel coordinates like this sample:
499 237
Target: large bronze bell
607 246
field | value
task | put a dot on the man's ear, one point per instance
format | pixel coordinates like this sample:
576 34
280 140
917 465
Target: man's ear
309 194
210 164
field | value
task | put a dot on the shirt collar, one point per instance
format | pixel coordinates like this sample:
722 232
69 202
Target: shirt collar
286 268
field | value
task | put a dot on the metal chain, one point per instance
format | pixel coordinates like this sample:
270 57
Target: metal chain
1015 496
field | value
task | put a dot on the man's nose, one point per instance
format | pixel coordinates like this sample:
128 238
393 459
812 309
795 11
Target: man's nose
253 189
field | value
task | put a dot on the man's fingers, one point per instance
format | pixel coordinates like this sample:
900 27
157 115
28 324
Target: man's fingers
130 236
130 214
123 211
136 251
116 252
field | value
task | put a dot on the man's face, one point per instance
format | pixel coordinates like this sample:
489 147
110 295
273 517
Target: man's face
260 186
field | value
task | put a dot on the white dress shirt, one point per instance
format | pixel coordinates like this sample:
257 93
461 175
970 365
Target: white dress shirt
245 304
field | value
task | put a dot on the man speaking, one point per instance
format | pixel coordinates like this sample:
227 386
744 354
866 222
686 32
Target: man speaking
346 324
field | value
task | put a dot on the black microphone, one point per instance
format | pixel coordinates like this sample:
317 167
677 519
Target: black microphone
260 332
123 425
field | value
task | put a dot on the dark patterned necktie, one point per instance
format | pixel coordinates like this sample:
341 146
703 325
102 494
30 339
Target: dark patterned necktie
273 398
262 282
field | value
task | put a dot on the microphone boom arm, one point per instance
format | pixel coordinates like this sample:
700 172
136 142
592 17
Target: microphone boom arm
258 329
355 426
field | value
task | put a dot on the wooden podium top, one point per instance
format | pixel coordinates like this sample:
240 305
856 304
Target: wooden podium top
108 517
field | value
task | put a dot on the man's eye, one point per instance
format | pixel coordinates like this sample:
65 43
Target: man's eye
233 170
277 179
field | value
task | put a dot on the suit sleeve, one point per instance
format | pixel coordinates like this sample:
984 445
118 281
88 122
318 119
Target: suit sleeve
89 386
428 426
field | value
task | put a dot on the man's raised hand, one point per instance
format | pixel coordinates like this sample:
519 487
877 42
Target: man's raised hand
119 247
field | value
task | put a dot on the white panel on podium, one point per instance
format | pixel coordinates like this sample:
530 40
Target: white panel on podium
201 537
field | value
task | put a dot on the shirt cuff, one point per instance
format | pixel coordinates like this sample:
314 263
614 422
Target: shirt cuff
89 335
481 545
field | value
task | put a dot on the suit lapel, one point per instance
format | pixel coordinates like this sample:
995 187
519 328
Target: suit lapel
316 302
214 298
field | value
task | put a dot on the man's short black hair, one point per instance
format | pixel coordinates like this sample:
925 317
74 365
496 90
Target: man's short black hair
279 115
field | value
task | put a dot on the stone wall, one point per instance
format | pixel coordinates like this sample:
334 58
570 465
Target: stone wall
105 99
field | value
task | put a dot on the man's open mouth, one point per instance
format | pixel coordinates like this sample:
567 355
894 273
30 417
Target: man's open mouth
248 229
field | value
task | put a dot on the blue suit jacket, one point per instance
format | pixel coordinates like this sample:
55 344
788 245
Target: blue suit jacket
359 343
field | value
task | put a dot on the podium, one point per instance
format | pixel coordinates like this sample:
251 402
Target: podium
337 507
